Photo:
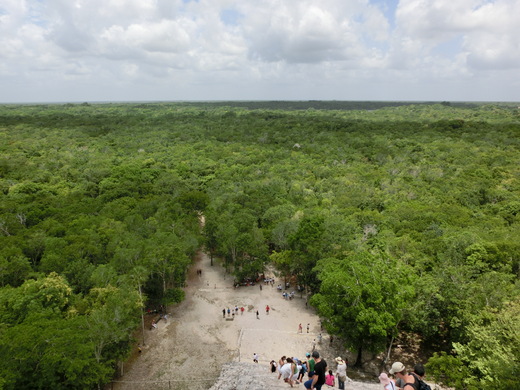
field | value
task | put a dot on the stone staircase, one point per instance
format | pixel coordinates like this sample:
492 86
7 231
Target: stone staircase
249 376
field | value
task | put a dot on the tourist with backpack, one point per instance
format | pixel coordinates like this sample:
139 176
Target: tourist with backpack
412 381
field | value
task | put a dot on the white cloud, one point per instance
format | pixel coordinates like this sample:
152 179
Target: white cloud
488 28
271 49
165 36
310 31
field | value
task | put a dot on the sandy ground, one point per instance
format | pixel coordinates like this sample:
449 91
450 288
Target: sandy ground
189 349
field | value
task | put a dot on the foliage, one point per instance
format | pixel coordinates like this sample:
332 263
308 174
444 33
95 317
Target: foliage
363 298
489 359
492 352
104 202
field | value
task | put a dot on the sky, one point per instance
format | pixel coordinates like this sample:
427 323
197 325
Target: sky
189 50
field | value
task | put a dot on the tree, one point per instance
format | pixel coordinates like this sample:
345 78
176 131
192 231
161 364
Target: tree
50 353
307 247
14 267
46 340
112 315
283 261
492 352
362 298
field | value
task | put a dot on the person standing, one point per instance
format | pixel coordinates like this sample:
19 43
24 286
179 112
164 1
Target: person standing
300 328
267 308
257 315
308 327
341 372
224 313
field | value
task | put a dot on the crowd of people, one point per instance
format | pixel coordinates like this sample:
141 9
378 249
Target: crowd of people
314 374
311 371
402 380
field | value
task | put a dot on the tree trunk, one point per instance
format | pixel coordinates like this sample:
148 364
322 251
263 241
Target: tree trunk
387 358
359 362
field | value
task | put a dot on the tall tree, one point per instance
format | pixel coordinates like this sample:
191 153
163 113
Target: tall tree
363 298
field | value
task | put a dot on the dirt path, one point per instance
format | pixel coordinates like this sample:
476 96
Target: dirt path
194 343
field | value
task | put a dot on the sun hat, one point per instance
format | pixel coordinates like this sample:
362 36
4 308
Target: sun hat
397 367
384 379
339 360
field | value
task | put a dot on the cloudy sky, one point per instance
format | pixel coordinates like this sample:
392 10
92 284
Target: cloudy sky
142 50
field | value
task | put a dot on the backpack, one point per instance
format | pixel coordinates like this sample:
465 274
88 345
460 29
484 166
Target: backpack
420 384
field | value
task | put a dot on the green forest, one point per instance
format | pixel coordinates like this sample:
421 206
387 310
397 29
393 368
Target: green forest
399 219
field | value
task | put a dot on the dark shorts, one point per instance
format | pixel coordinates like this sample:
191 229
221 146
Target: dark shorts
308 384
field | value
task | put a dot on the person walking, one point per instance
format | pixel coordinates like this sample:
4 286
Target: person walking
257 315
303 370
408 381
341 372
286 371
320 368
267 308
308 327
330 379
255 357
310 364
281 363
300 328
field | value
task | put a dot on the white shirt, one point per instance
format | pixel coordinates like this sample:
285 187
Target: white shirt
341 370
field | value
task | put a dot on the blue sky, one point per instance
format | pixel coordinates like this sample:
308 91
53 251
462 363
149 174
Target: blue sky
149 50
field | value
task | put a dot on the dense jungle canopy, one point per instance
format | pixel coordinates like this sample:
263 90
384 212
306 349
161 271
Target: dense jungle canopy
398 218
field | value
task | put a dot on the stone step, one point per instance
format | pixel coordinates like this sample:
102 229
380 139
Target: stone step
248 376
